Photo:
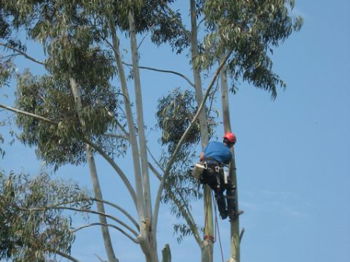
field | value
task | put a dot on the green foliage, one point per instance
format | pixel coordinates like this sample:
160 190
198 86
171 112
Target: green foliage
74 35
52 99
154 16
250 29
6 70
30 229
174 114
182 231
181 188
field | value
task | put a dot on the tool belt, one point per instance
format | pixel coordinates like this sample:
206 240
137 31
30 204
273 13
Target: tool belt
213 165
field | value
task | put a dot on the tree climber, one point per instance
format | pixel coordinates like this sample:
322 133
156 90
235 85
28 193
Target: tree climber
215 156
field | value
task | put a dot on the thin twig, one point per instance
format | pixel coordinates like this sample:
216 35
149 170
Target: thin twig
23 54
155 160
163 71
241 235
115 167
105 225
15 110
120 209
83 211
154 170
62 254
116 136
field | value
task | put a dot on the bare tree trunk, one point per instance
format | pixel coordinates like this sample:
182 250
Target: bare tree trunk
150 236
132 132
207 245
94 178
235 241
100 207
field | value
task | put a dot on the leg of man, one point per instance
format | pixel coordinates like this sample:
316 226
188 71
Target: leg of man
231 207
221 201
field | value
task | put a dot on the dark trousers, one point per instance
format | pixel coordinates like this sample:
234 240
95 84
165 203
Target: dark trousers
215 180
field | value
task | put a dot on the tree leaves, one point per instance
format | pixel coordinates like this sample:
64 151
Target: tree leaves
29 229
250 29
52 98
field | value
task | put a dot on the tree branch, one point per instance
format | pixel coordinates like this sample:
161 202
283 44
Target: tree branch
164 71
155 160
23 54
154 170
82 211
181 141
62 254
97 148
105 202
115 167
120 209
18 111
186 214
117 136
241 235
106 225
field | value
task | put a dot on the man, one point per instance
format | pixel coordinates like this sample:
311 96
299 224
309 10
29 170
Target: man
215 156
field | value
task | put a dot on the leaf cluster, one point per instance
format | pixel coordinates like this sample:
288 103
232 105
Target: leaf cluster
6 70
52 98
175 112
182 231
249 29
29 229
156 17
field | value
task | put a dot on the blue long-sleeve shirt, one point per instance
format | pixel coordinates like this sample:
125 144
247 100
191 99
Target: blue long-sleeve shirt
218 151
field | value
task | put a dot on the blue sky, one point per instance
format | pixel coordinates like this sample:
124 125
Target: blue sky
293 154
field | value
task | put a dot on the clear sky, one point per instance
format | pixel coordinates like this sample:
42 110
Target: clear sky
293 154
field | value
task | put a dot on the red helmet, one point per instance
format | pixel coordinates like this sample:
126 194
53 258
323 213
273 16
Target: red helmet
230 137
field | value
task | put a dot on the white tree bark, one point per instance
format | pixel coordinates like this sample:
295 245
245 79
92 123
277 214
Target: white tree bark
208 242
149 243
235 239
131 125
94 178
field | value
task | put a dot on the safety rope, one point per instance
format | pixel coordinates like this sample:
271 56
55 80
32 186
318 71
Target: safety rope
217 229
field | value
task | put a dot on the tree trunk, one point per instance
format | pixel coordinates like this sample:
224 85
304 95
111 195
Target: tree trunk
132 132
146 230
140 121
100 207
235 241
207 245
94 178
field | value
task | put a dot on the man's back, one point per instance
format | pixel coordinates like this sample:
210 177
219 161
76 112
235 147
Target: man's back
217 151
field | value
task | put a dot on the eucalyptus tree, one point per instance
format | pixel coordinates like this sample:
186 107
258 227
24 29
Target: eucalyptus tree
244 33
69 32
247 31
32 224
75 107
